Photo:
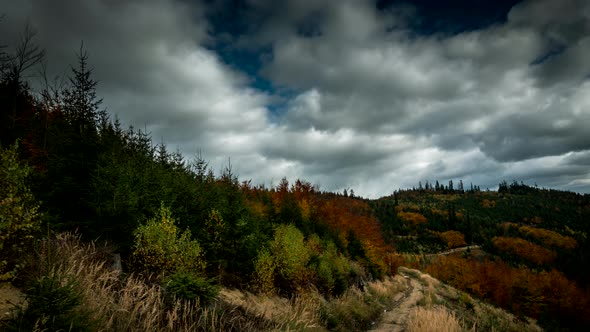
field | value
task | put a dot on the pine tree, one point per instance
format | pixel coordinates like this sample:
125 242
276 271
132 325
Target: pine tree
80 102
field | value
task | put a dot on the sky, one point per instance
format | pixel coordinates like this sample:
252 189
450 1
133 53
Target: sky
365 95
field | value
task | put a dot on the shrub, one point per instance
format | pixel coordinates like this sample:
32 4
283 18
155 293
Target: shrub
19 217
325 276
74 289
333 271
291 256
53 303
264 272
191 287
453 239
159 249
357 310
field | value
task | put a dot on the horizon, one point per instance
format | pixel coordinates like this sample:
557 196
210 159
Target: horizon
362 95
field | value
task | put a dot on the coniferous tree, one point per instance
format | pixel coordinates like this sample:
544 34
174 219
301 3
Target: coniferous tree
73 150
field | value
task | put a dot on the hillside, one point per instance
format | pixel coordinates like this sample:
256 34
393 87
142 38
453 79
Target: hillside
531 249
426 304
104 299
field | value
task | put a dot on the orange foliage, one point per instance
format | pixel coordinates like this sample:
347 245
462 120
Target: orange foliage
305 208
454 239
346 215
522 290
545 236
549 237
343 215
505 226
441 213
533 220
486 203
413 218
257 208
524 249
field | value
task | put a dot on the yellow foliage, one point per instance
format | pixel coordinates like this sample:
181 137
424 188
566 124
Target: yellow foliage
486 203
524 249
414 218
159 249
549 237
257 208
533 220
19 216
305 208
264 272
453 239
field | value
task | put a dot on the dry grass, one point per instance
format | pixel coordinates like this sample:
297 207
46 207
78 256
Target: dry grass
472 314
115 302
118 303
436 319
352 311
357 310
299 313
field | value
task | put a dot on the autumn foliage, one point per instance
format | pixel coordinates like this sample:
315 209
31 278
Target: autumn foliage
453 239
524 249
521 290
349 216
548 237
413 218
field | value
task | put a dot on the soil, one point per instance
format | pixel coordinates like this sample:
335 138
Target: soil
395 319
10 297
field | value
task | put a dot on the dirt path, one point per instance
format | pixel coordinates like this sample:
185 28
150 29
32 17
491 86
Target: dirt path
452 251
9 297
395 319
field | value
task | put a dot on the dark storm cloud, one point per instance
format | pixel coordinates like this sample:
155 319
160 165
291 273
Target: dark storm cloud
498 90
152 70
536 134
565 27
342 93
327 152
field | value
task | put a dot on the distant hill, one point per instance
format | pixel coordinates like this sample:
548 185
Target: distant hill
533 241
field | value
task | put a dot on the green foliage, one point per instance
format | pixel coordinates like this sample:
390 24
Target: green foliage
53 304
264 272
214 226
354 310
325 276
291 255
191 287
19 217
333 271
161 250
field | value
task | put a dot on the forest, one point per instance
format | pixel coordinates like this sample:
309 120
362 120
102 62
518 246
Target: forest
532 248
69 167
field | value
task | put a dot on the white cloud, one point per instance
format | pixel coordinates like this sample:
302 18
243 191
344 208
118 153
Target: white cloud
376 107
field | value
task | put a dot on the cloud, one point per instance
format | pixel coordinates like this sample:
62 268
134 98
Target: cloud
152 69
371 103
481 92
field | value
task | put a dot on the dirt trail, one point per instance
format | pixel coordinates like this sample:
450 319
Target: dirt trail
452 251
9 297
395 319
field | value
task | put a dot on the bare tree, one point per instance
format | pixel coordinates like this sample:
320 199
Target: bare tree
26 55
4 58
